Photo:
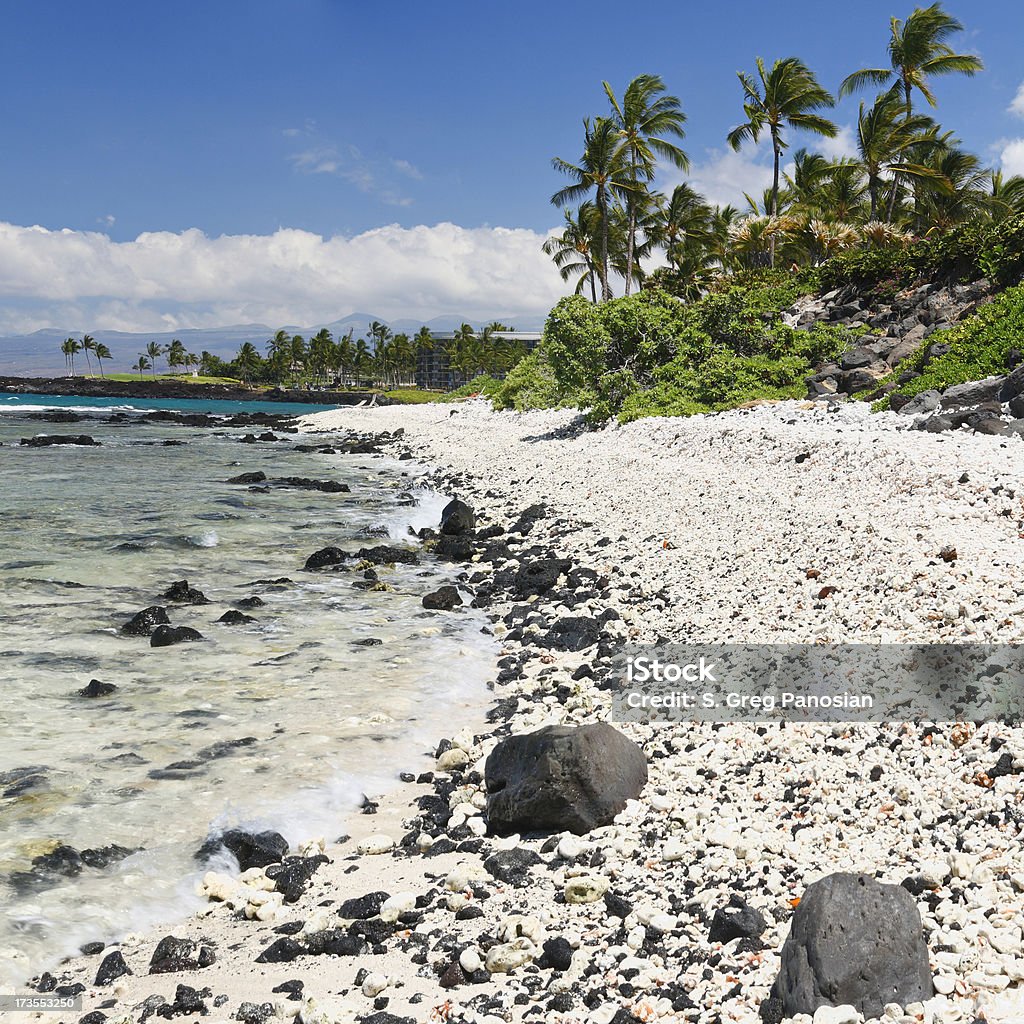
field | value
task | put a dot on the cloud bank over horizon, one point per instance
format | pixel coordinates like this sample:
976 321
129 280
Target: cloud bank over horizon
167 281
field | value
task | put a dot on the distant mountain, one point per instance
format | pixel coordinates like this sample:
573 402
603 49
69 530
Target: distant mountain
38 354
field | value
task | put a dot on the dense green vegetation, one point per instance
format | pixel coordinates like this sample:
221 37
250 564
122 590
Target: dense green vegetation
649 355
705 332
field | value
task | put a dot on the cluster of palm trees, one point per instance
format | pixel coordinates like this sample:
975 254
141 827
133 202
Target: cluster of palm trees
175 354
380 357
70 347
909 179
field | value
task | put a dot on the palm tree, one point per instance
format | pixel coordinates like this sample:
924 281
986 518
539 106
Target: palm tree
684 220
345 355
141 365
573 250
88 345
102 352
646 121
247 360
154 351
1005 196
191 361
175 354
787 96
917 51
602 170
361 356
70 347
884 140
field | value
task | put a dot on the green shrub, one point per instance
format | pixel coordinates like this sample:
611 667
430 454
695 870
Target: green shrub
650 354
484 385
530 384
978 347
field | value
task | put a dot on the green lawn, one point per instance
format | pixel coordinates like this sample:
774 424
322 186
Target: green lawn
413 396
185 378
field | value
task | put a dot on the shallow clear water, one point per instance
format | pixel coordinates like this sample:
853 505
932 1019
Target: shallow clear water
14 402
89 536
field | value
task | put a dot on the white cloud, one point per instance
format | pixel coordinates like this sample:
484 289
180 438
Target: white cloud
1017 104
408 169
1011 156
726 175
79 280
843 145
372 178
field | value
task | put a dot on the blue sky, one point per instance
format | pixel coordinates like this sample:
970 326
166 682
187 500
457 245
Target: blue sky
223 123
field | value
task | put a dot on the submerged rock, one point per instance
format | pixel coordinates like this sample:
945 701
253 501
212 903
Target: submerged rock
330 555
142 623
853 941
184 594
235 618
97 689
248 478
306 484
167 636
562 778
48 440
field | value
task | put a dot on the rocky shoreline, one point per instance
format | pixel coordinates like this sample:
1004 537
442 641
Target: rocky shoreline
680 908
99 387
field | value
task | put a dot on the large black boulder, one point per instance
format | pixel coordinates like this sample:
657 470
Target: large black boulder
249 478
853 941
457 517
562 778
251 849
167 636
142 623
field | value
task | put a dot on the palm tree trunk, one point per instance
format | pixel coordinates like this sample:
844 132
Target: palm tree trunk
775 199
593 285
602 206
631 230
908 102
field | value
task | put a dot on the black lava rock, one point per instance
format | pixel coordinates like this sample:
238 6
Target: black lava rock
443 599
248 478
562 778
184 594
173 954
111 968
168 636
97 689
512 866
48 440
326 556
457 518
251 849
557 954
235 618
736 921
362 908
142 623
853 941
